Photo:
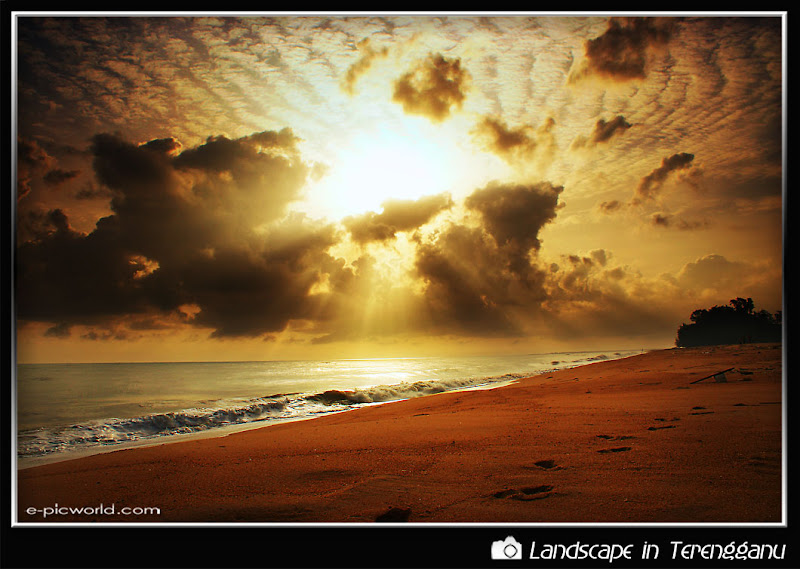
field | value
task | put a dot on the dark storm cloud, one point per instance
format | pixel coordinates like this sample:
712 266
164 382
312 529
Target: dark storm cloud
478 278
238 156
35 224
514 214
651 184
182 232
164 145
57 176
246 292
464 291
603 132
397 215
132 169
168 206
68 277
32 159
91 192
433 88
622 52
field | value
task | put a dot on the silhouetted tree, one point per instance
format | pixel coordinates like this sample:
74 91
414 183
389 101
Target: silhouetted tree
738 323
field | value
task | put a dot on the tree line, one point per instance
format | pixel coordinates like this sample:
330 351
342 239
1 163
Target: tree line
736 323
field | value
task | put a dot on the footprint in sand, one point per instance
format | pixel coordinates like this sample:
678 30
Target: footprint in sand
394 515
543 465
616 438
766 463
659 428
615 449
526 494
534 493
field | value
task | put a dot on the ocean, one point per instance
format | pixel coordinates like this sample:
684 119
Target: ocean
69 410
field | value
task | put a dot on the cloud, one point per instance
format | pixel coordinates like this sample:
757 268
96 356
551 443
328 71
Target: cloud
514 145
600 256
200 237
167 145
205 227
90 192
475 286
57 176
58 331
434 88
368 57
465 293
611 206
716 279
643 203
710 271
490 279
623 51
651 184
68 277
477 279
245 291
589 295
397 215
31 160
514 213
666 220
603 132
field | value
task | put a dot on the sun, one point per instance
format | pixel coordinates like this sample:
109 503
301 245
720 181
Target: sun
379 163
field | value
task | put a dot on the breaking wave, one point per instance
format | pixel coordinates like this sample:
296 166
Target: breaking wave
46 441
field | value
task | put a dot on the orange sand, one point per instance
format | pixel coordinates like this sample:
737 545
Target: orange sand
629 440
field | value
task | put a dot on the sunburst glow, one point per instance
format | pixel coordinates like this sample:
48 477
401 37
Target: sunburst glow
377 164
318 184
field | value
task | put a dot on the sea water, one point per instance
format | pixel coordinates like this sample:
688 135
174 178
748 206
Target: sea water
64 410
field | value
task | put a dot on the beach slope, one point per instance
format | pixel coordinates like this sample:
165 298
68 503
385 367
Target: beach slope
630 440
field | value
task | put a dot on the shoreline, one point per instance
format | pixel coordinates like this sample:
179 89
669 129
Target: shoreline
628 440
221 430
228 430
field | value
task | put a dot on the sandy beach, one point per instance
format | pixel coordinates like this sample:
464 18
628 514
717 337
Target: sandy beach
629 440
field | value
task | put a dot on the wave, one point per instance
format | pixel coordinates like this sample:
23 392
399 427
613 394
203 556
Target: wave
93 436
116 431
396 392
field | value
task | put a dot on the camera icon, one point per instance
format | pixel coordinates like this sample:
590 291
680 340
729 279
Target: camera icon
509 548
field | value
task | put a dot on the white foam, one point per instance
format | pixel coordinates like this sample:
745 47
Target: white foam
52 442
109 432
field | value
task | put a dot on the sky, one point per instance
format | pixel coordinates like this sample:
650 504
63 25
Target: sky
221 187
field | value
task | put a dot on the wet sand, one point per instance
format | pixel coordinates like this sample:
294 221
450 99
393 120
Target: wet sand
630 440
